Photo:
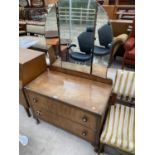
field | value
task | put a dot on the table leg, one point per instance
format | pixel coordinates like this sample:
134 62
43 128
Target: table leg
27 111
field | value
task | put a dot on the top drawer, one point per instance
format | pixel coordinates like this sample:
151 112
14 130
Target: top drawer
75 114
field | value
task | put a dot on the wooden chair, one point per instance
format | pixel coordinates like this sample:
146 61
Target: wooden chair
119 128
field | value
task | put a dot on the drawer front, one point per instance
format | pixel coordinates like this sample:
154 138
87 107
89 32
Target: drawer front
66 124
85 118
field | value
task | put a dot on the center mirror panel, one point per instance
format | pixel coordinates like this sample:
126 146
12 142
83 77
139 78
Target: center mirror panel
76 21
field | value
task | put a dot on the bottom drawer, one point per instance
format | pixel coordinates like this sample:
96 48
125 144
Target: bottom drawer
68 125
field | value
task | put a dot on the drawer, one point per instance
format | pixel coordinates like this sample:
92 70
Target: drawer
75 114
66 124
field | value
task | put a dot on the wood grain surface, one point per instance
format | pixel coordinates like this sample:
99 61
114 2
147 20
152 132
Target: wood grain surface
79 92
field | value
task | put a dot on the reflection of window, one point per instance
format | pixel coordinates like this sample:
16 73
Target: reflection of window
76 14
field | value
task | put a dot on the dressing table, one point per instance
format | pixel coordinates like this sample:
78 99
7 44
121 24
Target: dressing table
68 95
70 99
70 102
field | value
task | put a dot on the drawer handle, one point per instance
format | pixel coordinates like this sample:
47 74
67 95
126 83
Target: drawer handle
84 133
38 113
84 119
35 100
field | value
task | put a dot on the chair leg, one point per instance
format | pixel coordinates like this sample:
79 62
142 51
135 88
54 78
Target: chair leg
123 64
110 60
101 148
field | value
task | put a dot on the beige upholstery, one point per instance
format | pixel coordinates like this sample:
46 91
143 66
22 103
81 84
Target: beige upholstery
116 44
123 37
117 41
119 130
124 84
38 29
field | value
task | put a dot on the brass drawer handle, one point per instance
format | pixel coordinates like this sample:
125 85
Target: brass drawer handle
84 133
35 100
84 119
38 113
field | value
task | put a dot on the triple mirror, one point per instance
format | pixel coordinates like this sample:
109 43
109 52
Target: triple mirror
85 36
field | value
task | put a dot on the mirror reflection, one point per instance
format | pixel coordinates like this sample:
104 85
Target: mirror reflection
52 36
76 29
103 43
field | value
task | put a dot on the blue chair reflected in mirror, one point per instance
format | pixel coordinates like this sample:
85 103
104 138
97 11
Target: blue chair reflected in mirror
86 45
105 40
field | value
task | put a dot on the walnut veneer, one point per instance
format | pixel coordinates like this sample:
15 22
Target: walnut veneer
75 104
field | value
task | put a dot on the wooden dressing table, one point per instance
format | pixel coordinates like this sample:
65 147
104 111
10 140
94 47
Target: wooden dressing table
70 99
73 103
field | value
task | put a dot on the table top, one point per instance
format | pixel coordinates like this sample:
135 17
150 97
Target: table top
26 55
99 70
86 94
52 41
26 42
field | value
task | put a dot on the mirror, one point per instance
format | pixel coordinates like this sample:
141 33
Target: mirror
52 36
85 35
103 43
76 21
